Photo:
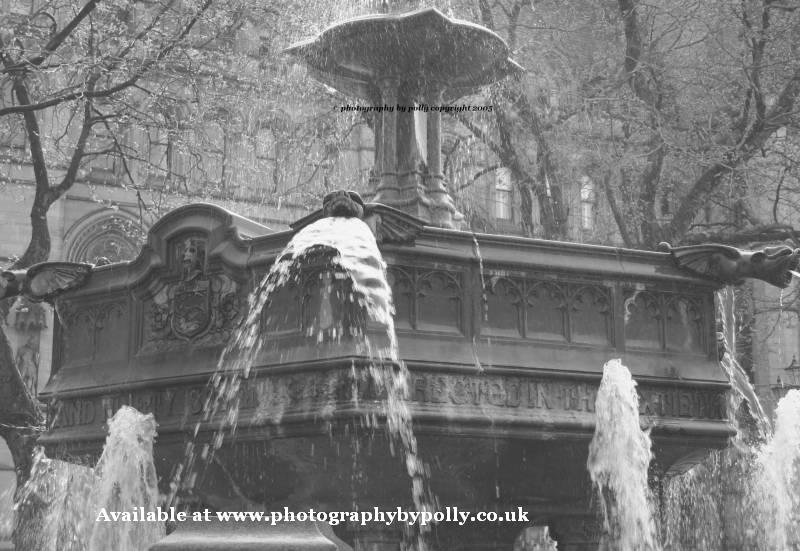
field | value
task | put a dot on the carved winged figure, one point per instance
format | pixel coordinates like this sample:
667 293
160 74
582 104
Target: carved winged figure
44 281
731 266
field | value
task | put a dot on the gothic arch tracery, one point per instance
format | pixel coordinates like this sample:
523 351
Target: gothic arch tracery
114 235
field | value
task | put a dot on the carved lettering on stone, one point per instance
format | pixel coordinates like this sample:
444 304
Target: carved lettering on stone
267 399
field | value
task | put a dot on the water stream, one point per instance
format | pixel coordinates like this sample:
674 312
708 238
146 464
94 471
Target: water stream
777 484
746 496
59 506
350 248
619 458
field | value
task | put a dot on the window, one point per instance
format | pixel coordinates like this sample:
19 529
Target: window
502 194
587 203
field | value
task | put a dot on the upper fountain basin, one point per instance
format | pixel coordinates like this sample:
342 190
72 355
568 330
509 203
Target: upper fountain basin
424 50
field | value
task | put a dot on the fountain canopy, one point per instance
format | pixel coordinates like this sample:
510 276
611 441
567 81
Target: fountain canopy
429 54
409 66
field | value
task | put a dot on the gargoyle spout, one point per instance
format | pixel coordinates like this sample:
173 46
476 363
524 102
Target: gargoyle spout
731 266
43 281
346 204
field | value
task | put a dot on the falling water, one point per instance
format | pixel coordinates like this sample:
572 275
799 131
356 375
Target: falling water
746 496
742 387
357 256
6 514
60 503
742 497
484 302
777 484
619 457
125 480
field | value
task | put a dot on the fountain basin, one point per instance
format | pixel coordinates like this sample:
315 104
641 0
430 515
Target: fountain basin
426 50
505 350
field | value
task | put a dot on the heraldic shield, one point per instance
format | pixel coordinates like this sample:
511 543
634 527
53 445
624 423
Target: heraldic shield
191 314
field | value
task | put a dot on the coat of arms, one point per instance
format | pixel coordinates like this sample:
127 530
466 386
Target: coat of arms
199 307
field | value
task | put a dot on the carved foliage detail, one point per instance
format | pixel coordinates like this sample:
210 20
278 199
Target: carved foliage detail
548 310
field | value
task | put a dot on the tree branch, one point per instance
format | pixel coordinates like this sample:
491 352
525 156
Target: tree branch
133 79
777 117
55 41
619 218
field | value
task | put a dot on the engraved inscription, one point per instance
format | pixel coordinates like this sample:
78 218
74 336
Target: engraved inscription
268 398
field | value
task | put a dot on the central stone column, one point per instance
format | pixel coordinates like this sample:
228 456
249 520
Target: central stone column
388 190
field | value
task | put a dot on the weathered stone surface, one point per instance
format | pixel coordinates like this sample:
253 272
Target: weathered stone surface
505 354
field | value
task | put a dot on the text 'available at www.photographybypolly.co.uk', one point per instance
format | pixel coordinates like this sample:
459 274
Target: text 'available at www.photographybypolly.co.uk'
334 518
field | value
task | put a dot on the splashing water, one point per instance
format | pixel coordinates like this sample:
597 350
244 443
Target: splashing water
741 497
743 388
619 456
125 481
692 513
777 483
59 505
356 254
52 510
6 514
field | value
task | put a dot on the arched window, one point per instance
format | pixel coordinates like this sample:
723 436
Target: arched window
503 194
115 236
587 203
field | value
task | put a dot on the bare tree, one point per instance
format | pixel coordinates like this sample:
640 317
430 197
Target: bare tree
69 63
683 115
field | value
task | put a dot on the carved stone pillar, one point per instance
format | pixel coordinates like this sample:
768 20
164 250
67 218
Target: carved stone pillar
387 189
378 130
442 210
434 138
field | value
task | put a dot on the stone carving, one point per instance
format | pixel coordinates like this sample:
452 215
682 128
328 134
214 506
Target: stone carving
27 361
388 224
44 281
193 258
116 237
731 266
270 397
665 321
343 203
94 331
426 299
391 225
28 316
548 310
198 308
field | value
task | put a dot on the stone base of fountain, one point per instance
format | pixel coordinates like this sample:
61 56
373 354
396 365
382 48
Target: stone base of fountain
505 353
252 536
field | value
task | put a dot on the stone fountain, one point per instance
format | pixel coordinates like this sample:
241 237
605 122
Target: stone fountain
505 348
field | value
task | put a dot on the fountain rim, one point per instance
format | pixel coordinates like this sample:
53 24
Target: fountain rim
401 18
223 213
251 242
